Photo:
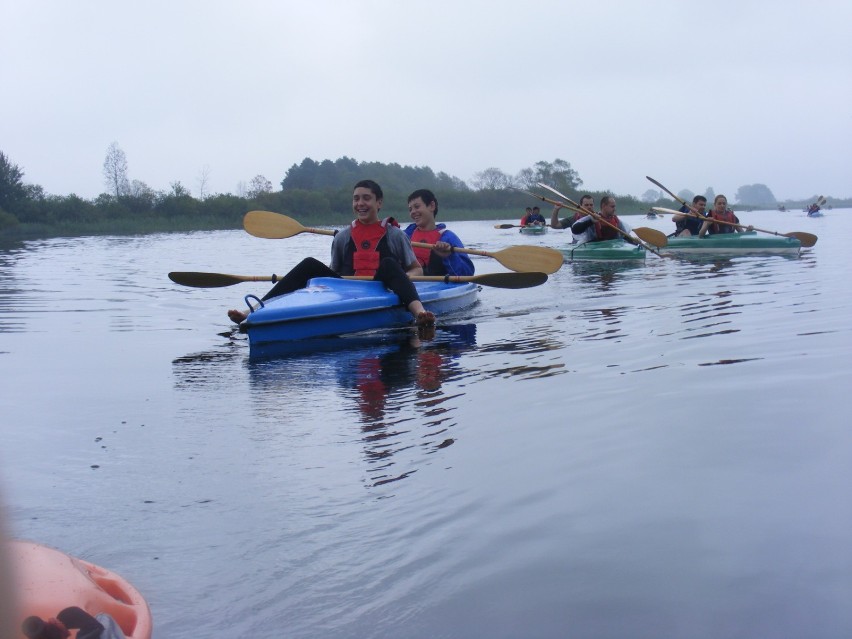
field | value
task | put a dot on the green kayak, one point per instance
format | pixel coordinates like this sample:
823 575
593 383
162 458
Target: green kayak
533 230
731 245
607 250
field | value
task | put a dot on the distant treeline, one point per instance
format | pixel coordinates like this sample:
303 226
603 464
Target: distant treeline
313 192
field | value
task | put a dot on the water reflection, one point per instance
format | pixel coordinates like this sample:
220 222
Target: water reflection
604 276
393 382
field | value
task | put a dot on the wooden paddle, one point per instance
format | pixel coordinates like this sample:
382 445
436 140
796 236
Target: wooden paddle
807 239
649 235
599 218
525 259
496 280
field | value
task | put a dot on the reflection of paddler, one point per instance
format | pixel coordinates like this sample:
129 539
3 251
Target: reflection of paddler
410 364
372 391
429 370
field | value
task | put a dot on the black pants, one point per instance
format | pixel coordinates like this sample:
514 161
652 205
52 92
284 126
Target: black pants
390 273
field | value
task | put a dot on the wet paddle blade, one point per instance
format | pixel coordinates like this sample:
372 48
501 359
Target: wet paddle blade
651 236
530 259
807 239
509 280
273 226
212 280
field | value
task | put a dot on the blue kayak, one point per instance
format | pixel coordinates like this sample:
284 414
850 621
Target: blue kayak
330 306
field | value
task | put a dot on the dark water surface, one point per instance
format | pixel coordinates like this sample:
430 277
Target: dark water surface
645 451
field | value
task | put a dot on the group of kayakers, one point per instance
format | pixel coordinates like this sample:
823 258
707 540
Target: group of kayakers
375 247
378 248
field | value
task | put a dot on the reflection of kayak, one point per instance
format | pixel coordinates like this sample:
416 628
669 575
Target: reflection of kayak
48 581
331 306
533 230
731 244
607 250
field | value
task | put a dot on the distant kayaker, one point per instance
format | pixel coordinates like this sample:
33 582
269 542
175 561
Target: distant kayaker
368 246
440 260
533 218
590 229
688 225
722 213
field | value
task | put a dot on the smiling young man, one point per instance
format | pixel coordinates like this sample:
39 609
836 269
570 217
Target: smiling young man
440 260
368 246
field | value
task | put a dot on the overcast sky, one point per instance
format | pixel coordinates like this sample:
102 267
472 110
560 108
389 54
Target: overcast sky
696 94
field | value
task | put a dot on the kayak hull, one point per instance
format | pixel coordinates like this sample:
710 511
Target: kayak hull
47 581
331 306
732 245
533 230
605 251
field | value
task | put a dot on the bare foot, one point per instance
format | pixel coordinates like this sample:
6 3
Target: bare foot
425 318
425 322
236 316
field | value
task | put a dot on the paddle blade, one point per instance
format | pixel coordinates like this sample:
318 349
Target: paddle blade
213 280
504 226
807 239
528 259
510 280
269 225
651 236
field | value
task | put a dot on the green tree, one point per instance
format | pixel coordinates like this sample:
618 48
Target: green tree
492 178
755 194
559 175
12 189
651 196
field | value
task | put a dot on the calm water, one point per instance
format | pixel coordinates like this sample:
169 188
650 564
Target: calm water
651 451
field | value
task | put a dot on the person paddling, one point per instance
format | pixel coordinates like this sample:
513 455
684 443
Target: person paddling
440 260
368 246
687 225
590 229
722 213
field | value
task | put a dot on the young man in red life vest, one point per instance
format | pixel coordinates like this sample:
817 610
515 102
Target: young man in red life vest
441 260
723 213
586 202
590 229
368 246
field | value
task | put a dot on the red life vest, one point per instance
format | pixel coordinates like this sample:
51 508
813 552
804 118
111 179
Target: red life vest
604 231
366 238
727 216
429 237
